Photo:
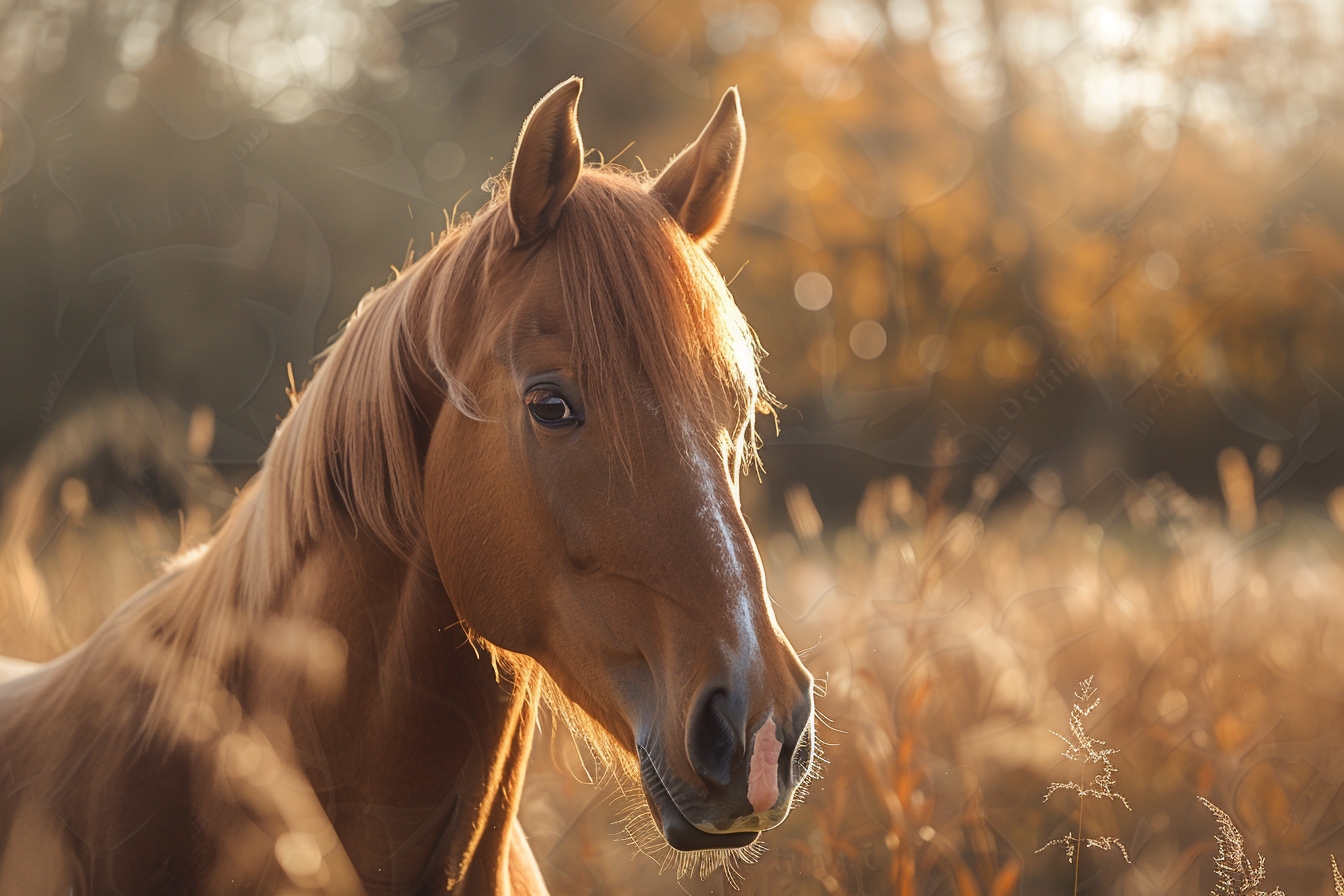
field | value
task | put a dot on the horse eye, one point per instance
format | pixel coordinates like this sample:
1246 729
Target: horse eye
549 408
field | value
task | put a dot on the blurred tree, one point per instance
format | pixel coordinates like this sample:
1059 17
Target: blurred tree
1082 241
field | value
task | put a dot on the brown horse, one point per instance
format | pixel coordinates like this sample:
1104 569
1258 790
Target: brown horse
512 480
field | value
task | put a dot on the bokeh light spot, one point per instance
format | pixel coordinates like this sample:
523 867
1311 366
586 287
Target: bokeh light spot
868 339
910 19
1172 706
1161 270
444 160
298 854
139 42
813 290
847 23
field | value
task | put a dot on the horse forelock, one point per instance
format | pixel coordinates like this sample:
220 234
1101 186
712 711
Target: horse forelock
648 310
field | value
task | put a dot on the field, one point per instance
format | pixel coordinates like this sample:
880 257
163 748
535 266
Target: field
948 643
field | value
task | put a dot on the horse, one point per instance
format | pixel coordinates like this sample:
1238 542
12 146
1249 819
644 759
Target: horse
511 483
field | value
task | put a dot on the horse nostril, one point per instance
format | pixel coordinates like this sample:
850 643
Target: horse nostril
713 737
802 757
802 750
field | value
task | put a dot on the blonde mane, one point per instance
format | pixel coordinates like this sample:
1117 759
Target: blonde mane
647 310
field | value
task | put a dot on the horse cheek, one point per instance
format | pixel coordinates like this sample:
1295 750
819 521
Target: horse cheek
477 547
482 526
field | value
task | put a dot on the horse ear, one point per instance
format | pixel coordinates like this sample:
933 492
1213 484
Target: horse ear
699 185
546 162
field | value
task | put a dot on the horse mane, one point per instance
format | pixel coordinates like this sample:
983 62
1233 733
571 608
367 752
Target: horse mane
647 309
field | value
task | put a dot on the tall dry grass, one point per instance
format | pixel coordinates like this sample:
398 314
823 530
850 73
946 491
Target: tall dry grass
947 642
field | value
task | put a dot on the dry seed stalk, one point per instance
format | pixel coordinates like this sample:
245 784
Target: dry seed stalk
1237 876
1082 747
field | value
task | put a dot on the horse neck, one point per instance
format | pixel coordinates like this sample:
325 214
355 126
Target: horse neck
423 747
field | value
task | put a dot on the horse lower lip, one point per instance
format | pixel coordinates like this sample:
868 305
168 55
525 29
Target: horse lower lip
676 827
683 835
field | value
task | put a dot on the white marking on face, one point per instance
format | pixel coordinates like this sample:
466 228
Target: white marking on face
763 777
732 566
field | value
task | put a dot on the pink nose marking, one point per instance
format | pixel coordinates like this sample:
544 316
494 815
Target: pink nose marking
763 777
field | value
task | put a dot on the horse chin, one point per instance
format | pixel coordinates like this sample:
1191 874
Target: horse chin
675 827
683 836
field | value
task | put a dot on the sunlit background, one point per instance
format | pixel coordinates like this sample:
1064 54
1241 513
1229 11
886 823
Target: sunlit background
1052 295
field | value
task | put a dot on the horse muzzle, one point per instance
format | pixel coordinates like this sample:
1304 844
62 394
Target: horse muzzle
743 783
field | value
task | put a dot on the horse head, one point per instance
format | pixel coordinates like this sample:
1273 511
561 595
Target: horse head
581 481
